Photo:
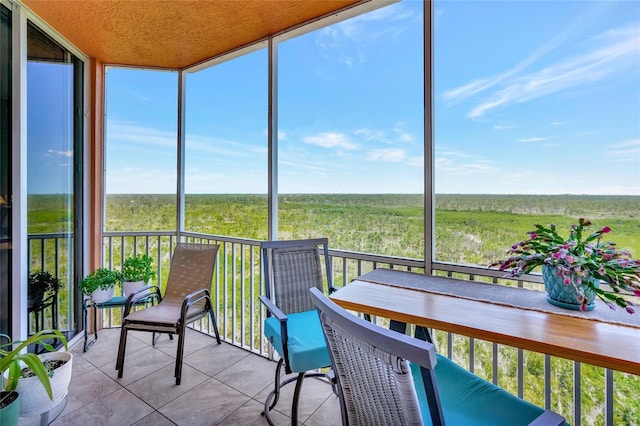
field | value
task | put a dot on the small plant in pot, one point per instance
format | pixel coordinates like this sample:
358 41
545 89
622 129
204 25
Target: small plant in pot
137 272
40 380
100 284
574 268
40 285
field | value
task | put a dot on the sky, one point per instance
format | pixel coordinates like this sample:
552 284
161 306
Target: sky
538 97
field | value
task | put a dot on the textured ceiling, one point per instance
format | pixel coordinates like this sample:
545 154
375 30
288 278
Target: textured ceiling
176 33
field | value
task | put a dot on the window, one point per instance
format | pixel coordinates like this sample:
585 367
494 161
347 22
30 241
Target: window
536 121
350 132
141 150
226 148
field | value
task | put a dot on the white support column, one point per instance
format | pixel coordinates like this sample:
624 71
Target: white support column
19 174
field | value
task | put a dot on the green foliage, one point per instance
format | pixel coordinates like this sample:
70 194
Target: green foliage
138 268
41 283
11 358
101 278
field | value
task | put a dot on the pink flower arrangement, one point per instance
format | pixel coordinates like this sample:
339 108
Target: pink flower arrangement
577 258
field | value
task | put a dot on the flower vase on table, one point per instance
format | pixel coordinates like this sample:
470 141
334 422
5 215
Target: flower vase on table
574 268
565 292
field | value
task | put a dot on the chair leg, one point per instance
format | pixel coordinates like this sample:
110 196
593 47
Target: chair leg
178 371
215 325
121 351
274 394
296 398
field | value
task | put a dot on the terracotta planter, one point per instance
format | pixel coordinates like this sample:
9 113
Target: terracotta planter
33 397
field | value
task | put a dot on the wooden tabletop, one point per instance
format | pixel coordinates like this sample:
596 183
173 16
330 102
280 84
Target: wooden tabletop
593 342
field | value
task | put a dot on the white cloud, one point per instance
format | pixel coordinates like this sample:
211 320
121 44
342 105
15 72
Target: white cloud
499 127
370 134
610 53
303 166
349 36
627 151
331 140
67 154
534 139
155 139
392 155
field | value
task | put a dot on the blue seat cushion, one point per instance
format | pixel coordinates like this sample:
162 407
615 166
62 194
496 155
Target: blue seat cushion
306 345
470 400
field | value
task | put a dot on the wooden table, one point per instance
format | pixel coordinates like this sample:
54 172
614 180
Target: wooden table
603 344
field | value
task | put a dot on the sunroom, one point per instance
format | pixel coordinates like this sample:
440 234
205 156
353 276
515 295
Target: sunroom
421 136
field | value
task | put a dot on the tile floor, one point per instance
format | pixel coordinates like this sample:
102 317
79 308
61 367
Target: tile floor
221 385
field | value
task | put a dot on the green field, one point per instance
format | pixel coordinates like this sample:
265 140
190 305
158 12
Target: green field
472 229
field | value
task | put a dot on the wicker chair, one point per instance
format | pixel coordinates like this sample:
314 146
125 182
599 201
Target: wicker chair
387 378
292 325
186 299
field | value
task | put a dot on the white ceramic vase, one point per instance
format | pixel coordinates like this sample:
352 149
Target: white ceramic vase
129 287
100 296
33 397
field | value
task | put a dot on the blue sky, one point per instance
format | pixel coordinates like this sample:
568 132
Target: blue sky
530 97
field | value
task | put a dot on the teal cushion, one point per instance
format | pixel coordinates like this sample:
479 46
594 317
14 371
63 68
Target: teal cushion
470 400
306 345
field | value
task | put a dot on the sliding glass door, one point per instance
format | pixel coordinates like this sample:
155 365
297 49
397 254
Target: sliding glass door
54 177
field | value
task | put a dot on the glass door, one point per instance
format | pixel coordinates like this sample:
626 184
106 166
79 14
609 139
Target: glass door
54 181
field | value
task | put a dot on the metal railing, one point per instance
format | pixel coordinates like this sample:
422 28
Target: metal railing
597 395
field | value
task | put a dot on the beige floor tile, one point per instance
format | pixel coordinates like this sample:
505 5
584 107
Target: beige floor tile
250 376
154 419
207 404
328 414
194 341
96 397
250 414
313 394
212 359
141 363
105 350
159 388
88 388
117 408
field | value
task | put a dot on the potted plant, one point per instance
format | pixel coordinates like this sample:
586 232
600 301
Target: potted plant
39 285
40 380
573 268
100 284
136 273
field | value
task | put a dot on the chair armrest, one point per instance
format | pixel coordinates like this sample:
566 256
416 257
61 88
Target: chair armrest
548 418
139 295
193 298
273 309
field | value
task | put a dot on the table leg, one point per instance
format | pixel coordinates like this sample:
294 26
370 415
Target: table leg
423 333
84 321
398 326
